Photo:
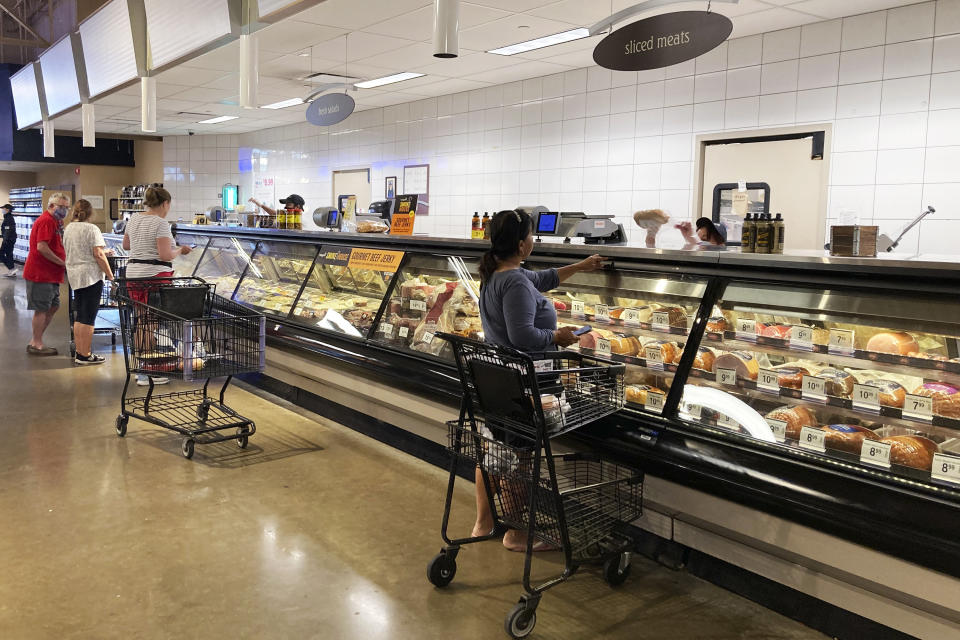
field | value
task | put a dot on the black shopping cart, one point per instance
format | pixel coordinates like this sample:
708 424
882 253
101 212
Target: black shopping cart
108 317
513 404
179 328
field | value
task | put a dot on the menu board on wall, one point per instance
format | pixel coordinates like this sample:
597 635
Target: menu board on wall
416 180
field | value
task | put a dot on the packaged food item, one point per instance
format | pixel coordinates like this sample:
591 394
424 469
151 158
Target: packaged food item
622 345
839 382
637 394
895 342
912 451
743 362
717 324
891 394
780 331
790 376
704 359
669 351
796 418
372 226
847 437
946 398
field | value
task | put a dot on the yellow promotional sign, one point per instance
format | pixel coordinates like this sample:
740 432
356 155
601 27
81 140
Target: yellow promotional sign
375 260
402 224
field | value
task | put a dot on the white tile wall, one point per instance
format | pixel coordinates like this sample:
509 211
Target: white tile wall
601 141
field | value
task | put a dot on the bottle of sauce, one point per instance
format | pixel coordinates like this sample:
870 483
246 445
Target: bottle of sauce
748 239
476 227
486 225
779 234
764 234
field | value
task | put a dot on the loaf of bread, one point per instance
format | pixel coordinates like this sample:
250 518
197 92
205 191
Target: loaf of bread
912 451
637 393
839 382
795 417
899 343
743 362
622 345
790 376
946 398
717 324
891 394
847 437
703 361
678 316
669 351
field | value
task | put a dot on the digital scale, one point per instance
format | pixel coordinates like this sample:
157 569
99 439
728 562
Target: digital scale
594 229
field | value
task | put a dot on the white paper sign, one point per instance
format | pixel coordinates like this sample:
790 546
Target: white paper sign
655 402
576 309
918 407
727 377
946 468
602 313
875 453
727 421
428 337
96 202
814 389
768 380
386 328
841 341
693 409
631 317
404 332
418 305
866 398
746 329
801 338
661 320
653 356
813 439
603 347
542 366
779 429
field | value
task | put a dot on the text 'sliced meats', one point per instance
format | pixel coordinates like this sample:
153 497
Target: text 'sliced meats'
640 46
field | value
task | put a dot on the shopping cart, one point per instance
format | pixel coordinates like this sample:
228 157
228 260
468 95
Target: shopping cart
179 328
513 404
108 317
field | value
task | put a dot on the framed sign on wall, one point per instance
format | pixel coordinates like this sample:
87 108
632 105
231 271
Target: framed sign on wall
416 180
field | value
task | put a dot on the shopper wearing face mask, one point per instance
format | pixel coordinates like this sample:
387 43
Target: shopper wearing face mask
44 269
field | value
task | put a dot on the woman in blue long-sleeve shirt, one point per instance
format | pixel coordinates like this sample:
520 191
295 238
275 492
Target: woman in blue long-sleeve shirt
515 314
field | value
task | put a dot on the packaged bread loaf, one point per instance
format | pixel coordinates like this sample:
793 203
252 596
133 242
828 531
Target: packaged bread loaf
717 324
790 376
743 362
704 359
623 345
796 418
839 383
847 437
891 394
677 316
912 451
637 393
946 398
669 351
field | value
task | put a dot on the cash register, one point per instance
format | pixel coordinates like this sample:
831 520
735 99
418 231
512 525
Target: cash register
594 228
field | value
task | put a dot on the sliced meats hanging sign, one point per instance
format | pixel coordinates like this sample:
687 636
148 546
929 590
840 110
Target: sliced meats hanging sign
330 109
663 40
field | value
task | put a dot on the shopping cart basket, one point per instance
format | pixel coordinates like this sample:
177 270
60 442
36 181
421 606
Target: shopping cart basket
179 328
513 404
108 317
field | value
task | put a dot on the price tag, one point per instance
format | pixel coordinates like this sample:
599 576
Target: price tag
813 439
814 389
866 398
428 337
655 402
603 347
801 338
918 407
276 306
746 329
542 366
841 341
576 309
386 329
654 357
602 313
779 429
768 380
418 305
404 332
727 377
631 317
661 320
875 453
727 421
946 468
694 410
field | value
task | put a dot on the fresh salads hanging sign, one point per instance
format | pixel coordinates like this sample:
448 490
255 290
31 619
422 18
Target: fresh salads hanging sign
662 41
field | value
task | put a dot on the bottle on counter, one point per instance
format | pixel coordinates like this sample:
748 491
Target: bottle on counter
779 234
476 228
764 234
748 238
486 225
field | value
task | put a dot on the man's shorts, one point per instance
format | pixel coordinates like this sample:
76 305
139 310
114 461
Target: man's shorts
42 296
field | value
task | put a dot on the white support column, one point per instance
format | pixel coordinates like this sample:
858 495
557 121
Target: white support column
48 139
89 125
148 104
249 71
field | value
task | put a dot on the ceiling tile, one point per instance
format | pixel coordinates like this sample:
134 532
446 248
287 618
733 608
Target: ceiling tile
769 20
509 30
519 70
289 36
347 15
466 65
418 25
513 5
833 9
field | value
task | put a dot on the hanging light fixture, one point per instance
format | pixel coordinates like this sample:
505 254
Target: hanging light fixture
446 28
48 139
249 71
89 125
148 104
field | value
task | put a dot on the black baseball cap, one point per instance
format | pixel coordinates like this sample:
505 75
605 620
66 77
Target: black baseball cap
293 199
718 229
7 206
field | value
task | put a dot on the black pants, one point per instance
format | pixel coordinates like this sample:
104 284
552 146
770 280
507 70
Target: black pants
6 253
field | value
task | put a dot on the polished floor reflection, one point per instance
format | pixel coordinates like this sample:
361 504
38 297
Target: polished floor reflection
314 531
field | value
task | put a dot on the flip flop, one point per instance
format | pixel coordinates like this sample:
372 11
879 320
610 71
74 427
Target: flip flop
46 351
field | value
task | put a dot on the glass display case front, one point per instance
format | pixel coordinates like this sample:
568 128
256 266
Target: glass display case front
185 265
273 279
223 262
639 319
432 294
346 288
861 378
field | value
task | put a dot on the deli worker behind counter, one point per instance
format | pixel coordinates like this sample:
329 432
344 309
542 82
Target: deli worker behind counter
709 235
291 217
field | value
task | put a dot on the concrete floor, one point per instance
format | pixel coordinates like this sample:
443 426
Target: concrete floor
314 531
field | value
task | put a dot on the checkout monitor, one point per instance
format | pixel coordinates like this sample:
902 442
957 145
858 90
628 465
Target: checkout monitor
547 223
333 219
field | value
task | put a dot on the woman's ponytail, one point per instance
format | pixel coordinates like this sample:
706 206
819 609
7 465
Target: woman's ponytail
488 264
507 230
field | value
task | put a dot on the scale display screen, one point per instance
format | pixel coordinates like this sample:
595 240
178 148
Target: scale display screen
332 216
547 223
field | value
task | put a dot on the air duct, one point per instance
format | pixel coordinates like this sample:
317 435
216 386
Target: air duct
446 28
148 104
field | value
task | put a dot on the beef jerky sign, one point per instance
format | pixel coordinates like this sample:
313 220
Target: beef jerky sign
662 41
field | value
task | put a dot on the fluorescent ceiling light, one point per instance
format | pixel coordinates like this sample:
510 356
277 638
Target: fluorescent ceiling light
218 119
540 43
379 82
292 102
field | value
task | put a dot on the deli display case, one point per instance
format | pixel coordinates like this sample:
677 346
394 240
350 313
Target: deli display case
823 391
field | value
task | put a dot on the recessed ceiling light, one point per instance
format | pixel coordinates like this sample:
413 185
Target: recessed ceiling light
379 82
283 104
540 43
305 54
218 119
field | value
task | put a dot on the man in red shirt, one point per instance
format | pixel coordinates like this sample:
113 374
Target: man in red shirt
44 269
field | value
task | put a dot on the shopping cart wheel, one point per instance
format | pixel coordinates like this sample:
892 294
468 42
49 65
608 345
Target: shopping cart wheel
242 438
520 621
441 570
186 448
616 570
122 425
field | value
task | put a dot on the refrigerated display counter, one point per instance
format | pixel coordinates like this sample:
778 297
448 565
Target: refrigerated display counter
820 394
